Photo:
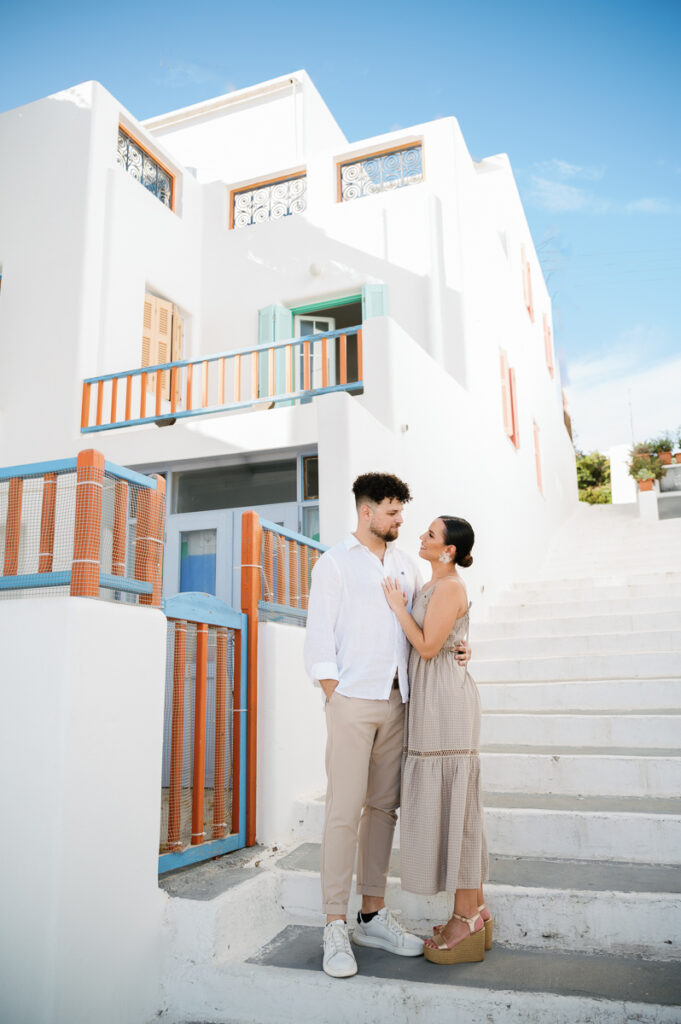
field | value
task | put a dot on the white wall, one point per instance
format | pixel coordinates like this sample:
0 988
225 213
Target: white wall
291 731
80 758
624 489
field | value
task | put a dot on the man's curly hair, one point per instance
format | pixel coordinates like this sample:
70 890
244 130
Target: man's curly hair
375 487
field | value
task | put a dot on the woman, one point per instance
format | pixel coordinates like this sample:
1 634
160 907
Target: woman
442 829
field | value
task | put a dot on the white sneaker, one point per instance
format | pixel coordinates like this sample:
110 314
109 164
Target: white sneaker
384 932
339 960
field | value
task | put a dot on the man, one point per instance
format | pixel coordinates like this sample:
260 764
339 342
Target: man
356 650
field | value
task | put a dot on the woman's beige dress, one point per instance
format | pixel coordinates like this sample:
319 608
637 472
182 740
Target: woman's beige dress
443 846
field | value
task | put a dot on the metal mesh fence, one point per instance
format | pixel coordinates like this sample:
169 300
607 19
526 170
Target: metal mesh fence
197 802
83 531
287 566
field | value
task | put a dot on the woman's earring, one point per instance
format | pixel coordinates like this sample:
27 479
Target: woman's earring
444 558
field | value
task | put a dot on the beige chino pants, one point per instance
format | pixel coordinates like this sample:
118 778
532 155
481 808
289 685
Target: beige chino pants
363 760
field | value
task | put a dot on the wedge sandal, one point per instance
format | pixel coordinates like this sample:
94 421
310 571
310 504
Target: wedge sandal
468 951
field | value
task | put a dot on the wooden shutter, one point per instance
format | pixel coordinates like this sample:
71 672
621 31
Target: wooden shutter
537 457
149 340
176 349
515 434
548 345
506 405
164 335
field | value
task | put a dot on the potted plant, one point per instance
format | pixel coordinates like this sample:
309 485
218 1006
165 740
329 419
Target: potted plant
663 448
644 467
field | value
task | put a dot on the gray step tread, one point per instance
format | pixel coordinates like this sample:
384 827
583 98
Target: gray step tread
210 879
588 804
539 873
624 979
587 712
554 751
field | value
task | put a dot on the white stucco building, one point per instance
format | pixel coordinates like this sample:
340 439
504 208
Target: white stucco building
460 391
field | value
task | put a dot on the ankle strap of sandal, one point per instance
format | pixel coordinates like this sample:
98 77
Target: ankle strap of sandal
470 921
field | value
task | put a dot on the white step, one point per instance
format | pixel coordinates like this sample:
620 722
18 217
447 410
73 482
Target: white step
593 666
559 905
567 695
584 604
584 625
530 594
600 581
595 643
579 773
645 838
587 729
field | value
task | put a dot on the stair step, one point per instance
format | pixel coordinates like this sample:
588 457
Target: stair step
582 604
573 773
637 641
579 625
562 987
607 589
648 665
536 902
600 581
628 694
582 729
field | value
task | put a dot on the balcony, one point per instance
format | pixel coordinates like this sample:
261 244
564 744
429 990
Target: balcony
285 372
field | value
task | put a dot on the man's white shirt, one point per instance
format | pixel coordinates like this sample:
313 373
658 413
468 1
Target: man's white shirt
352 633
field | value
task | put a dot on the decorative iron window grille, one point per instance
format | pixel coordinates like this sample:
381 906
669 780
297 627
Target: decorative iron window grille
381 172
269 201
141 166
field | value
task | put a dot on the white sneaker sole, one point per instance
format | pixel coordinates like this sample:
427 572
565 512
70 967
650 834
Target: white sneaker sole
373 942
339 974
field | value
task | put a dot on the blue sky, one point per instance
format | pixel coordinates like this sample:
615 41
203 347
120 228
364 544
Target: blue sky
583 97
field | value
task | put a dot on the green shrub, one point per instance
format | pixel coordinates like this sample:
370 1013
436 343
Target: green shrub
601 495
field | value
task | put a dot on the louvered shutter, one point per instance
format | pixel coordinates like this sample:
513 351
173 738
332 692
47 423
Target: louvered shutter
506 396
548 345
176 348
149 338
164 335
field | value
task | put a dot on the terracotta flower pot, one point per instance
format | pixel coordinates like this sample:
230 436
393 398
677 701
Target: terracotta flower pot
678 456
645 485
665 458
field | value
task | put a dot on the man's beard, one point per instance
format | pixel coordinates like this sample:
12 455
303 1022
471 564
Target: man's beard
385 535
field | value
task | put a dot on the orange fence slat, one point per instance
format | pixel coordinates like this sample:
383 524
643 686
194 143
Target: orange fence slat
174 388
100 401
13 526
281 570
159 392
177 735
114 400
343 370
144 380
87 525
306 366
219 823
199 772
128 397
237 378
204 385
46 552
268 564
149 540
293 588
251 541
304 575
190 385
120 528
270 372
221 381
85 407
325 364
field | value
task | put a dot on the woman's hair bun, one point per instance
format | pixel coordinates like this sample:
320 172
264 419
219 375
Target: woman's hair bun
466 561
459 532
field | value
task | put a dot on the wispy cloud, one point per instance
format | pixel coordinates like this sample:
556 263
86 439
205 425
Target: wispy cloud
651 205
564 169
600 387
181 73
559 196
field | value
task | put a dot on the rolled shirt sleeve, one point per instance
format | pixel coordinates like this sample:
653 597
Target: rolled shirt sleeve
321 660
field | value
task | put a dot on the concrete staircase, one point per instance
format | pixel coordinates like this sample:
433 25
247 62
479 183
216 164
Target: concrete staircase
580 677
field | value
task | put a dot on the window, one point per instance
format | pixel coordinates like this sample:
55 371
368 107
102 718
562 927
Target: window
509 401
268 200
527 283
537 456
380 172
245 485
143 167
548 345
310 477
162 331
